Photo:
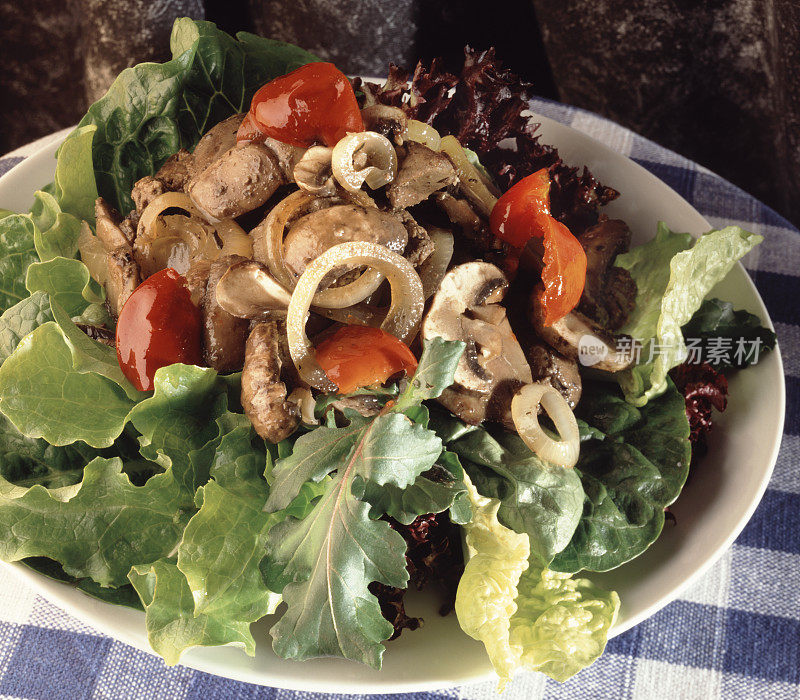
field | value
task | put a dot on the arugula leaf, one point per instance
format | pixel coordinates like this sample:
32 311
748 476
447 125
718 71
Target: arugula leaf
435 372
44 396
56 233
539 499
95 529
629 476
667 300
74 183
172 625
17 252
22 318
68 283
717 319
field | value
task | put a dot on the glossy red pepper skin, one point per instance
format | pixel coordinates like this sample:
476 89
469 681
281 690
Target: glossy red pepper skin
313 104
523 213
359 356
158 326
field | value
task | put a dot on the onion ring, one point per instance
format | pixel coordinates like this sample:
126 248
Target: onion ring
402 320
524 412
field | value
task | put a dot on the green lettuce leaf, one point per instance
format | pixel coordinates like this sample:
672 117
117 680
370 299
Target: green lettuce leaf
57 232
716 322
633 463
44 395
17 252
172 625
435 372
525 615
673 277
74 184
538 499
22 318
68 283
96 529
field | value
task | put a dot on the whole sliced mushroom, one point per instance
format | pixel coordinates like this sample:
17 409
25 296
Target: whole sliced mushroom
313 172
466 307
264 394
386 120
575 331
248 290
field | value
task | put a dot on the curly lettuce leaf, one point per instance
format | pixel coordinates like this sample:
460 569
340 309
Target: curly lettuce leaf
561 624
527 616
633 463
96 529
17 253
45 396
673 277
172 625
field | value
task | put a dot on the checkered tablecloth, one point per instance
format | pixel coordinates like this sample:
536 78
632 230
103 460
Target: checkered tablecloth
734 634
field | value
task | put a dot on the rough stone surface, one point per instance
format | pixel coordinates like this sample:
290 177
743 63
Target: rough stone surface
716 81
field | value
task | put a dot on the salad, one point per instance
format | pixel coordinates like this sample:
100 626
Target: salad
276 341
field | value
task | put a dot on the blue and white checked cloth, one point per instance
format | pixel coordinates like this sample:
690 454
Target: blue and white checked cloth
734 634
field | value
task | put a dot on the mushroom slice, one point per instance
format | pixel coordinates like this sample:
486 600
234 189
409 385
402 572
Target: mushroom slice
466 307
107 221
364 157
123 277
313 172
569 335
264 395
224 335
247 290
386 120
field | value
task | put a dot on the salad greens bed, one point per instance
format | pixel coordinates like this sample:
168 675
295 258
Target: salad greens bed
170 502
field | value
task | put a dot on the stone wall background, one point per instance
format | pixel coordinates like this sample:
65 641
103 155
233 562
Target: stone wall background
717 81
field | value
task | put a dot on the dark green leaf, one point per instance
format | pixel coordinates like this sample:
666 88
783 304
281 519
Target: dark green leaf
434 373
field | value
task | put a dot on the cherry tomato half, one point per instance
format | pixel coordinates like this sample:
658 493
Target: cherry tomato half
158 326
358 356
311 104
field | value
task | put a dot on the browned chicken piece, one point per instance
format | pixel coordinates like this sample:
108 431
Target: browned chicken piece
264 394
123 277
108 228
560 372
219 139
171 177
422 172
224 335
240 180
420 246
610 292
314 233
197 280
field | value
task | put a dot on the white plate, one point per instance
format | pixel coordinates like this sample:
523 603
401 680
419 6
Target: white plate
711 512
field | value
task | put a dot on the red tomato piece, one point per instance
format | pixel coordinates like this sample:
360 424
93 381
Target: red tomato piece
158 326
312 104
359 356
523 213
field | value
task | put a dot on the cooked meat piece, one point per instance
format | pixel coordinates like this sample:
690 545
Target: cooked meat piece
609 306
466 307
197 279
123 277
287 156
567 334
314 233
263 392
240 180
224 335
216 141
107 221
560 372
422 172
472 227
420 246
99 333
171 177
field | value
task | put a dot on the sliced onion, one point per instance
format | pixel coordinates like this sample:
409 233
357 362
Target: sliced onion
379 161
423 133
349 294
471 180
168 200
268 235
402 319
235 240
524 412
433 270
